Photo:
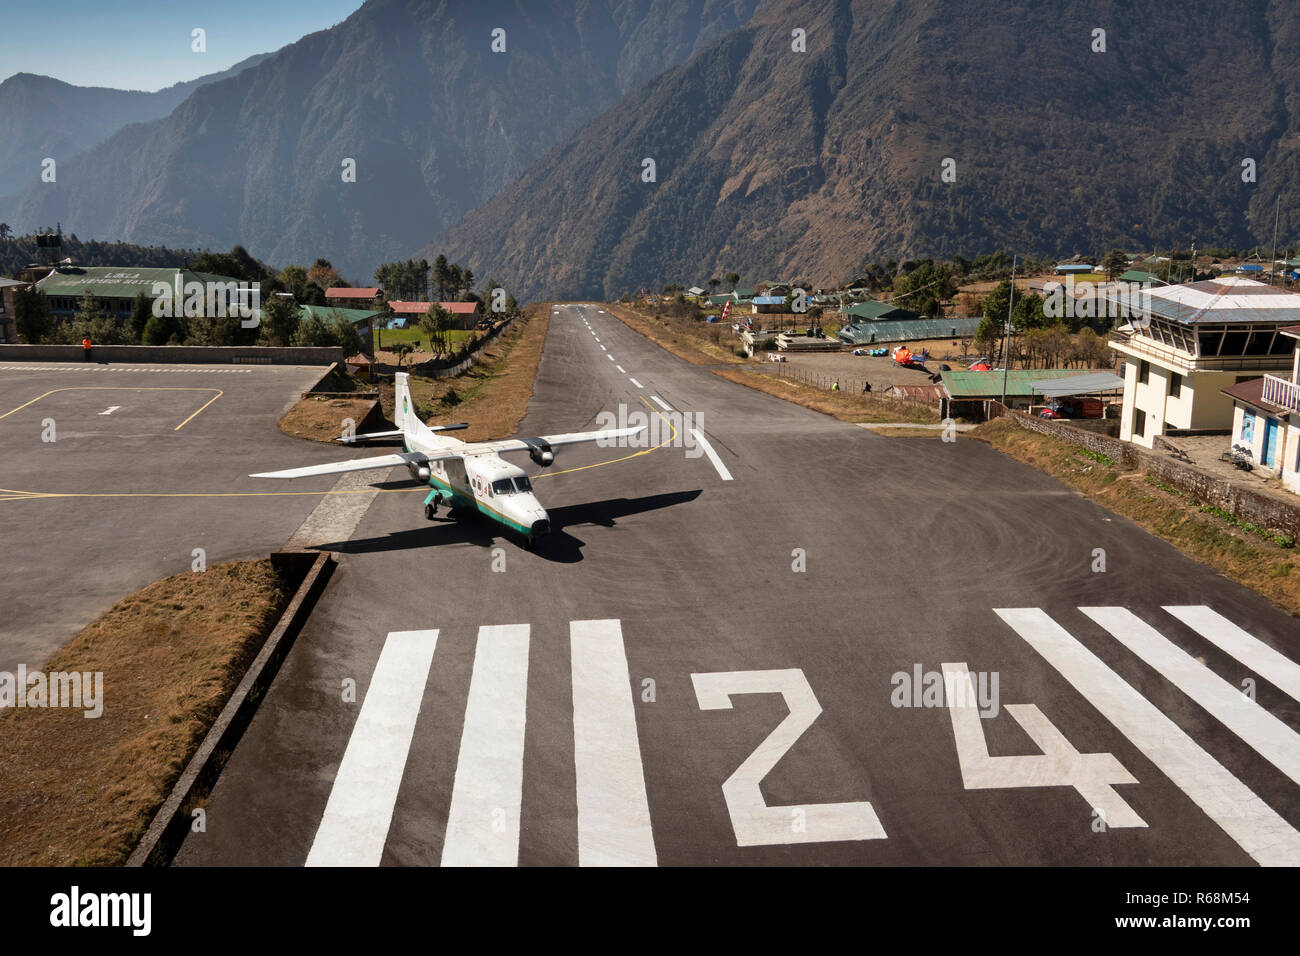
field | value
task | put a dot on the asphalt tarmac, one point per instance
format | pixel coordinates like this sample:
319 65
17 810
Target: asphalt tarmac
111 476
815 645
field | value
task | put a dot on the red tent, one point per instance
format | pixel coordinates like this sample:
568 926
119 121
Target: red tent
980 367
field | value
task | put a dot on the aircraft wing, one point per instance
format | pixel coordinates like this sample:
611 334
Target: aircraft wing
526 444
356 464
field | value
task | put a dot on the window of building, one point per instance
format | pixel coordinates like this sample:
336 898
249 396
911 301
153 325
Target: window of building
1175 385
1139 420
1248 427
1144 372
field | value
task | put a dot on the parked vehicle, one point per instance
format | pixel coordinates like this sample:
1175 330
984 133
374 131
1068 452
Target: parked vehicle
1073 408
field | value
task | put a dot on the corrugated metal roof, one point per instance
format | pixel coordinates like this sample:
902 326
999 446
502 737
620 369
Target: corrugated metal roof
768 300
1223 300
115 282
329 312
907 330
871 309
1078 384
968 384
413 308
339 292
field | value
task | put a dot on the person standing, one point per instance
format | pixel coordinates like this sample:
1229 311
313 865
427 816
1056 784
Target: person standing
85 347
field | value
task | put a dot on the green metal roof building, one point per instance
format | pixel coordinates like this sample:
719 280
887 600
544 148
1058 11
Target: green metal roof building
330 312
113 287
907 330
874 311
977 385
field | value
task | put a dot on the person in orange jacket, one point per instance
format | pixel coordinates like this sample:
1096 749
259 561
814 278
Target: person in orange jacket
85 347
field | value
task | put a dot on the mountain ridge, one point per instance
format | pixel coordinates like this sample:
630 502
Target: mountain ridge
813 164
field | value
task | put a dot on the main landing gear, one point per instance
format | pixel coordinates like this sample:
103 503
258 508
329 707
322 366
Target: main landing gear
431 506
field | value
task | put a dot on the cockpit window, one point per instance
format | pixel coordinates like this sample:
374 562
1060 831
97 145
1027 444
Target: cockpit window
502 486
522 484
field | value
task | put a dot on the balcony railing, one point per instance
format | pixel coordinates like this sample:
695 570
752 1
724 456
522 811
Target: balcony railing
1282 391
1143 345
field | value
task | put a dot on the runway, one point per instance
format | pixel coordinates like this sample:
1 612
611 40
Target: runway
792 642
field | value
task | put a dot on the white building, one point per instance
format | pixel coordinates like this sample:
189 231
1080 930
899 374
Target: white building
1195 341
1266 418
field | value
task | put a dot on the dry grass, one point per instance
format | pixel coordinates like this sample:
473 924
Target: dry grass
321 419
81 791
689 339
842 405
492 396
1244 557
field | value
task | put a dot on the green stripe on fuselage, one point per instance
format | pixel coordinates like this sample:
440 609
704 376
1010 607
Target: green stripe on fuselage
460 501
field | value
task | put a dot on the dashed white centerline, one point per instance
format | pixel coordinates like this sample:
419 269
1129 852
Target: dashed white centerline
620 368
661 403
635 382
713 455
610 357
602 348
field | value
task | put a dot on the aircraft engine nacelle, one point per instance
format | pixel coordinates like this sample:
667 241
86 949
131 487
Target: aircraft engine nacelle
540 452
419 472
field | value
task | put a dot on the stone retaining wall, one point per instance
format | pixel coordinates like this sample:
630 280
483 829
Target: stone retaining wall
174 354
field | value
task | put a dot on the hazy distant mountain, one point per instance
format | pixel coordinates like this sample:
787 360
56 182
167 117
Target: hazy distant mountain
41 116
436 122
784 164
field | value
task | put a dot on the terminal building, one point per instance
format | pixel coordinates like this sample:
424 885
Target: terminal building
1195 341
114 288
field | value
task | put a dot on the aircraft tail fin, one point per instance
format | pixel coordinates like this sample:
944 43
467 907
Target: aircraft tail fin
404 416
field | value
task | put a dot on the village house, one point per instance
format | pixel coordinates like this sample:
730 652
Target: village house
1266 417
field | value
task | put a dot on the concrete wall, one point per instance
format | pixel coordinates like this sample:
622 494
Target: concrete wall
173 354
1244 504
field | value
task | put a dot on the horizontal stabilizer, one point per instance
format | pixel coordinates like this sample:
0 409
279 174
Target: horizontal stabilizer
349 439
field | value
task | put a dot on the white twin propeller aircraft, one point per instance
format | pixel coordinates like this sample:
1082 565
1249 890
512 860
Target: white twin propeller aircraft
463 474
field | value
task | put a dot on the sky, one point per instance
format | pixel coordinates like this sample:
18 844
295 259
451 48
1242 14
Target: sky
147 44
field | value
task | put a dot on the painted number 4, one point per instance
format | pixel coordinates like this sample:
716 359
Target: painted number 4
755 822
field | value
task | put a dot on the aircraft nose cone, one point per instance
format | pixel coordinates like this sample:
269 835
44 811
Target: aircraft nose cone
541 526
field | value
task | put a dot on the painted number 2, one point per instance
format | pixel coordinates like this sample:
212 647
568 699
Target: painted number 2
755 822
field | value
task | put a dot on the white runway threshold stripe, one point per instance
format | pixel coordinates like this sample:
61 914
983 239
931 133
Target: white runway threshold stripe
613 810
360 808
713 455
1269 737
1280 671
483 825
1247 819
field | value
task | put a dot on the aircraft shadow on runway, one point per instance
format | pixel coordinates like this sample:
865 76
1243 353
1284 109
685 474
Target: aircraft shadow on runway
473 528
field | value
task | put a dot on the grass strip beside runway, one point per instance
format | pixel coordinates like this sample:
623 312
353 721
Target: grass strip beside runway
81 790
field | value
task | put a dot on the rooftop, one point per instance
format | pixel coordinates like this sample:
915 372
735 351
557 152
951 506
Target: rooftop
117 282
967 384
455 308
1227 299
338 292
872 309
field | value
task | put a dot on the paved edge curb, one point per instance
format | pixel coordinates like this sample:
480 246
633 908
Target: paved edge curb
171 823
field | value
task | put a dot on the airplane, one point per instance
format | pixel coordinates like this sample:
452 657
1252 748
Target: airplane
468 475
